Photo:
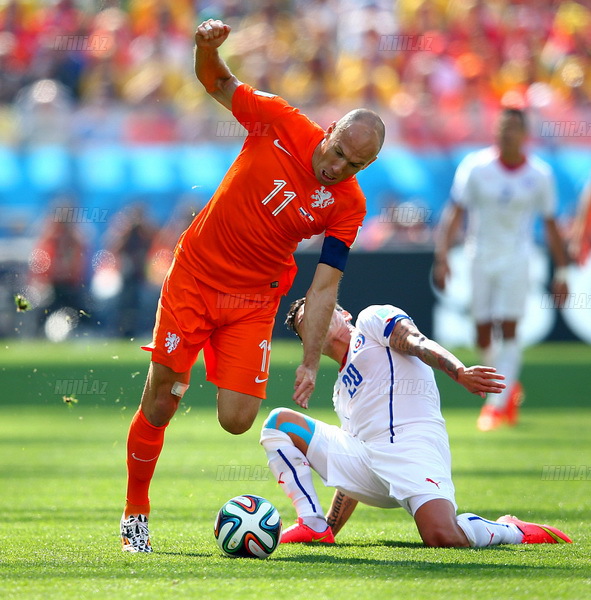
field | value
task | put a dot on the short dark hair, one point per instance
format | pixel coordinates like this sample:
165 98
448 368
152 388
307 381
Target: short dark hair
515 112
294 308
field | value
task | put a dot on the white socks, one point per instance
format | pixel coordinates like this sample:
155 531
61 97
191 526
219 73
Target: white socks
508 363
292 471
481 532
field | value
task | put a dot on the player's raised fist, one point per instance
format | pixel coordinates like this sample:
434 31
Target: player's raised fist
211 34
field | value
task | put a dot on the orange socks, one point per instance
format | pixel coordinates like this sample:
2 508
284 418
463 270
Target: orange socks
144 444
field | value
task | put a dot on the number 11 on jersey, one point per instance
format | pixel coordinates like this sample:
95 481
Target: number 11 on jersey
288 196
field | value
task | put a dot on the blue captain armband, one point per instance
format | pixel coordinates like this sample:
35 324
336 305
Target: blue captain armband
334 253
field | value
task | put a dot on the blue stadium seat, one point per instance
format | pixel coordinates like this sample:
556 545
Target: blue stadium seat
204 166
376 185
152 169
102 169
458 153
10 170
407 174
48 168
566 169
575 163
440 169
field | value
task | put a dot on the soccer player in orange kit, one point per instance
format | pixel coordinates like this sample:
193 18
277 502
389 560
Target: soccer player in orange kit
291 180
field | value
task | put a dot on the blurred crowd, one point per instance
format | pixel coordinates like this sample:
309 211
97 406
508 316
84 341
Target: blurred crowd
102 71
106 73
106 284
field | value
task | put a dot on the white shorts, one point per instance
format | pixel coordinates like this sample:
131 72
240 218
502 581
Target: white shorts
499 290
414 469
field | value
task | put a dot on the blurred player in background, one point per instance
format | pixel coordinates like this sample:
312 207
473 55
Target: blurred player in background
580 242
392 448
291 180
501 189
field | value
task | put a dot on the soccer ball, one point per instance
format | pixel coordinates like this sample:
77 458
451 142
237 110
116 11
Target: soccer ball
248 526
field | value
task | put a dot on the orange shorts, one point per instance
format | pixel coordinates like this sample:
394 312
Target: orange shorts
234 331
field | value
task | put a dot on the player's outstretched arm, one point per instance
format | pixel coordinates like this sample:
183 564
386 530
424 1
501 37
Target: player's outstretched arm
210 69
407 339
320 302
453 217
341 509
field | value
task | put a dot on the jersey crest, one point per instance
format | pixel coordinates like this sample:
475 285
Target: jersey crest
171 342
322 198
359 341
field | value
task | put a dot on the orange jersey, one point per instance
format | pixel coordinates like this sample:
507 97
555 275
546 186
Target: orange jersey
268 202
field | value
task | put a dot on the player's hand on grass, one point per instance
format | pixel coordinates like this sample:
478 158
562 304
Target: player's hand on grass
481 380
305 382
211 34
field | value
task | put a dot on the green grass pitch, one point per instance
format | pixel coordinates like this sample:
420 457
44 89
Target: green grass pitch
62 484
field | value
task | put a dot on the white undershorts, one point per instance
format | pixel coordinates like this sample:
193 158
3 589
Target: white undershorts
499 289
412 470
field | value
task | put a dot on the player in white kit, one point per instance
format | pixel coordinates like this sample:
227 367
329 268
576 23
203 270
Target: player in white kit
501 190
392 448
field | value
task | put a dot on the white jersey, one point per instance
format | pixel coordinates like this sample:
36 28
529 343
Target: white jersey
378 389
502 203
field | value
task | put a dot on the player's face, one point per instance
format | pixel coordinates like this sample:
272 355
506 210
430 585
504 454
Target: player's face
511 133
339 329
343 153
339 326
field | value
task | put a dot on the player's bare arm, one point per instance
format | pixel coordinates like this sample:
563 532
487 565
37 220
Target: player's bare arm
407 339
341 509
452 220
577 243
210 69
559 253
320 302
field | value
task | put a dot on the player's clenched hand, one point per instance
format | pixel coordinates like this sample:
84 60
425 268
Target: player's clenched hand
481 380
305 382
211 34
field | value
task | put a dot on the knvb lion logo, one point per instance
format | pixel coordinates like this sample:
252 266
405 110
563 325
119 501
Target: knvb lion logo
172 341
322 198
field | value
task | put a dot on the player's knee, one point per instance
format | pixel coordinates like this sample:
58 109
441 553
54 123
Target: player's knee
288 424
235 423
159 405
272 437
275 416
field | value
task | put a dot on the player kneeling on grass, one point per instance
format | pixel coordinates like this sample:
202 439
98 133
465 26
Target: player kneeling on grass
392 448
